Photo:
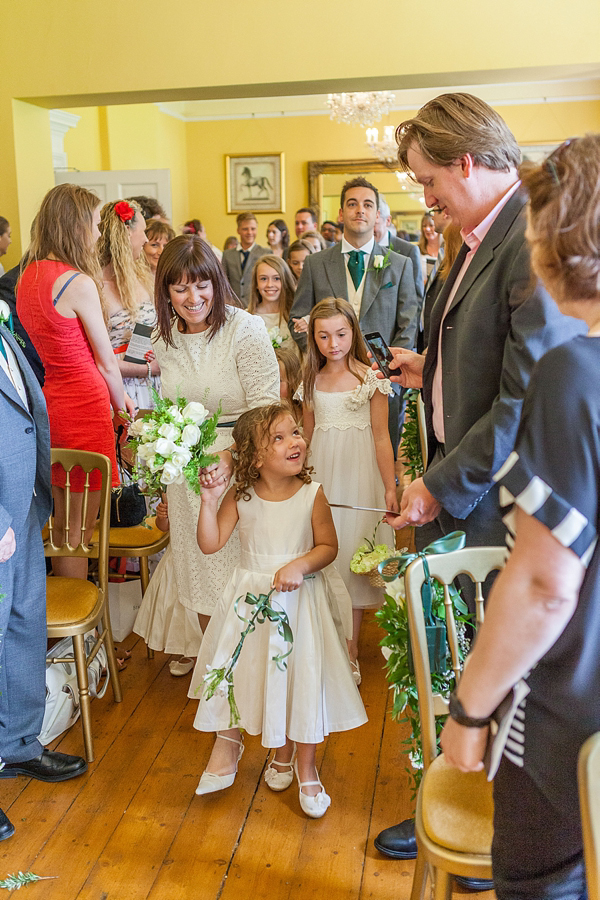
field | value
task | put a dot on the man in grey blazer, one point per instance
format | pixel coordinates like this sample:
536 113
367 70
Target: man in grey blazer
386 239
238 263
25 504
384 299
489 325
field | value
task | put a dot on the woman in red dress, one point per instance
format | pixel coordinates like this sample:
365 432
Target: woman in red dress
60 306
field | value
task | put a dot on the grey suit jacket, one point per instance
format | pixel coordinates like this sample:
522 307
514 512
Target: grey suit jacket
500 323
405 248
389 303
24 449
241 282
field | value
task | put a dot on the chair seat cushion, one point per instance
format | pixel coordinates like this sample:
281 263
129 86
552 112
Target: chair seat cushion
144 535
69 600
458 808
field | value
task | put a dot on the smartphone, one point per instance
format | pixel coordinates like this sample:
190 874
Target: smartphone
380 352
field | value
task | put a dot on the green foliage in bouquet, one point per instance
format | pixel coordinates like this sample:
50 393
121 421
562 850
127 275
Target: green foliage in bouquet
410 446
170 444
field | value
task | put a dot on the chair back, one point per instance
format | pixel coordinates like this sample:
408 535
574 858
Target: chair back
74 545
476 563
588 773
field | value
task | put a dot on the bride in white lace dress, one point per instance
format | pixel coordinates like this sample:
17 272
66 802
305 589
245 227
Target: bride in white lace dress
219 355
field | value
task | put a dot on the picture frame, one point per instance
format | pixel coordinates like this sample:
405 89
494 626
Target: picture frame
255 182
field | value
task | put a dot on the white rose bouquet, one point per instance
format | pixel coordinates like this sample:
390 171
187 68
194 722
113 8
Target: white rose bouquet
170 444
276 337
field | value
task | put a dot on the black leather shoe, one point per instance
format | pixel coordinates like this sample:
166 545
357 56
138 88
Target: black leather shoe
399 841
7 829
473 884
47 766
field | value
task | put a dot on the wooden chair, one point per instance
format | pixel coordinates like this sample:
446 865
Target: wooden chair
75 606
588 772
453 819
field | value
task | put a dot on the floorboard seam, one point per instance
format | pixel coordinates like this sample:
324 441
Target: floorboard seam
370 819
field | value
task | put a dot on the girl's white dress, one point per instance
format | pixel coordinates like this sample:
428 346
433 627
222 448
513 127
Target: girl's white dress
315 694
237 370
342 452
162 621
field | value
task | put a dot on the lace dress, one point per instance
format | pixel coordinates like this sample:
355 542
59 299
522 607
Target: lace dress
120 329
343 456
315 694
238 370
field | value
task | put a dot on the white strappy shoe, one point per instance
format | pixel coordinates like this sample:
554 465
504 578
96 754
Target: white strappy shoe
316 806
210 783
279 781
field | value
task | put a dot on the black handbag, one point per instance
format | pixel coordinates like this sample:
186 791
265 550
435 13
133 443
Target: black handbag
127 503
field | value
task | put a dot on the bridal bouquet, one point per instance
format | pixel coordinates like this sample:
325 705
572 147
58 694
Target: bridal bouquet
170 444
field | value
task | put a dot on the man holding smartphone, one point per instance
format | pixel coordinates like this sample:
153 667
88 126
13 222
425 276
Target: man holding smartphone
489 325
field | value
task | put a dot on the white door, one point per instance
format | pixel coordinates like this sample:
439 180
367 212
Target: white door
116 185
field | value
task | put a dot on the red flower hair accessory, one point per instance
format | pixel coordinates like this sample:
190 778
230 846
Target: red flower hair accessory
124 211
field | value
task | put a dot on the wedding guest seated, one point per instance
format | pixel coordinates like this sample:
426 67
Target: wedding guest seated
195 226
297 253
128 293
278 238
238 263
159 234
316 239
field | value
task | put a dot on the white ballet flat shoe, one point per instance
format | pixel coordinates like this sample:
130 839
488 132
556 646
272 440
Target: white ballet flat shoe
210 783
181 666
316 806
356 672
279 781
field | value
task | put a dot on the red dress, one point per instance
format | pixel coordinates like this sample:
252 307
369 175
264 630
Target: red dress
76 394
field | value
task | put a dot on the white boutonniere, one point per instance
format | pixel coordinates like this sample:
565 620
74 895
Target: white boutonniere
381 262
6 319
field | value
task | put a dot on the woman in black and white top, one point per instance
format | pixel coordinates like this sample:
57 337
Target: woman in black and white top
543 616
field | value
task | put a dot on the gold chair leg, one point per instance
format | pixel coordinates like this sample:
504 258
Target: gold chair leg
442 884
419 878
111 656
84 695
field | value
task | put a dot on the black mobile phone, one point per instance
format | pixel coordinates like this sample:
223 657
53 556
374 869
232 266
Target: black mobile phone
380 352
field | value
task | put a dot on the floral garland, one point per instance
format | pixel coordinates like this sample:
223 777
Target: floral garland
410 447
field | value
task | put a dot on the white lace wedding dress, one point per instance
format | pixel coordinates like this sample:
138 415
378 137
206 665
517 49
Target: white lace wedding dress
238 370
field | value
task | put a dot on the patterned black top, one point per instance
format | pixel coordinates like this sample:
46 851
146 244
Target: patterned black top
554 475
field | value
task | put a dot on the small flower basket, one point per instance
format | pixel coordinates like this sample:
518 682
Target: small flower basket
368 556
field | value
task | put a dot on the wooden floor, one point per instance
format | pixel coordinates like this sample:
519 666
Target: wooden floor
132 828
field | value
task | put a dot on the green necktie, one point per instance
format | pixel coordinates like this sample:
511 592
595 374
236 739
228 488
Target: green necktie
2 349
356 266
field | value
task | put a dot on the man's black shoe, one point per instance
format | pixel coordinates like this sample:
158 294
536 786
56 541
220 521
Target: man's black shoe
474 884
47 766
399 841
7 829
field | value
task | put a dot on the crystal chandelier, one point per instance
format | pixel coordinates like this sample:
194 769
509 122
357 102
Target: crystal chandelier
386 149
362 108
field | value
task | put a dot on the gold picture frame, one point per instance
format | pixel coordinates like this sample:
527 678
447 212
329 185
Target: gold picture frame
255 182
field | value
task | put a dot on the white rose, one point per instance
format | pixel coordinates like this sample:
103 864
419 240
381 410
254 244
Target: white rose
181 457
175 414
165 447
196 412
378 262
170 473
147 431
169 431
4 310
153 464
145 451
135 429
190 435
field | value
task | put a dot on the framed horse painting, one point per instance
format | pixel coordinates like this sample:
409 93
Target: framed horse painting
255 183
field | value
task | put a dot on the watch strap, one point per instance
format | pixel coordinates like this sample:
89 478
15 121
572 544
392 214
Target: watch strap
457 712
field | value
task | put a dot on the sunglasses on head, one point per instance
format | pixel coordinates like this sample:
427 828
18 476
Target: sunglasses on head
550 163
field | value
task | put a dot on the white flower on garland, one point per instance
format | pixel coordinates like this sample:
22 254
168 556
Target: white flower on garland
276 337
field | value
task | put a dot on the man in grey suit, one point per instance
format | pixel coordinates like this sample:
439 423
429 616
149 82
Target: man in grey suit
384 299
386 239
489 325
25 504
238 263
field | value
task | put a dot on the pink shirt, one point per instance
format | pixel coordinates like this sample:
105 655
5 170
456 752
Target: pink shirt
472 239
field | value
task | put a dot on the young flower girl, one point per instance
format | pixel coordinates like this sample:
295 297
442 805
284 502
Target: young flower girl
273 294
345 414
288 539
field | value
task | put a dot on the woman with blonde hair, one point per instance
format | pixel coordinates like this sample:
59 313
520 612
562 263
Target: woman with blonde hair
59 304
127 285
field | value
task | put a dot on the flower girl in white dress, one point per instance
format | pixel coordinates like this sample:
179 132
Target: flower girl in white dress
288 538
345 414
272 297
